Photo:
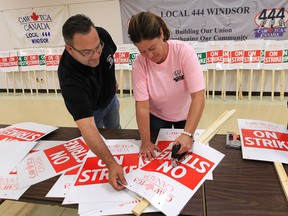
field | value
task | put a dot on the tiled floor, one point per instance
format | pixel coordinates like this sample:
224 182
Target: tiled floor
50 109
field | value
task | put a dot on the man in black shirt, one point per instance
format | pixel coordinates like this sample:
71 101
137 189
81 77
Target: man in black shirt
87 80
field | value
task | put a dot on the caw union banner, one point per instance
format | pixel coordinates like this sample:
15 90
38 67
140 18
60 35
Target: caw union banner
217 20
36 27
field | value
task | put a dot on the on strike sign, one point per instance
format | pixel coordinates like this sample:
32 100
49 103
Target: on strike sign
262 140
169 188
26 131
42 165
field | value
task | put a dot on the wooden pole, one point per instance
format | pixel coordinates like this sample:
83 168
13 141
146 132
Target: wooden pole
223 94
55 82
240 85
282 85
213 83
250 84
207 83
22 83
262 83
121 82
282 177
46 82
30 82
237 84
14 83
130 82
7 82
273 85
36 82
204 138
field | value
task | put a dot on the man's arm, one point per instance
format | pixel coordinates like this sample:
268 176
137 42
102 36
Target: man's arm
96 144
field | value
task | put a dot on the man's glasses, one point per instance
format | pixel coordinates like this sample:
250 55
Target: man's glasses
89 53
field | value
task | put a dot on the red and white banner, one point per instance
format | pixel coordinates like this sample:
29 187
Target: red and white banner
42 165
36 27
169 188
262 140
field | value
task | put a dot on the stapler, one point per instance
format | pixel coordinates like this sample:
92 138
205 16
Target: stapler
177 158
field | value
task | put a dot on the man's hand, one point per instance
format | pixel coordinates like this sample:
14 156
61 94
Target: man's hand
116 177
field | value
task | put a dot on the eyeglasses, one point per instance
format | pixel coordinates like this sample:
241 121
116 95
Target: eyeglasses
89 53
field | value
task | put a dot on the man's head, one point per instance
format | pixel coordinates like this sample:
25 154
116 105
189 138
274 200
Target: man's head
82 40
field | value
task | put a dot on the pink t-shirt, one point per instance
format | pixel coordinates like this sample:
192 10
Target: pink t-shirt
168 85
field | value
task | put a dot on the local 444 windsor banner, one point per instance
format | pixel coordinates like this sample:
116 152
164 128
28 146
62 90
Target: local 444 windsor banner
36 27
218 20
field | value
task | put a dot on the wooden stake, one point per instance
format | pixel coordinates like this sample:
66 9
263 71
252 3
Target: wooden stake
205 137
130 82
282 85
55 82
250 84
223 94
273 85
7 82
121 83
282 177
240 85
22 84
262 84
14 83
207 83
213 83
30 82
237 84
139 208
46 82
36 83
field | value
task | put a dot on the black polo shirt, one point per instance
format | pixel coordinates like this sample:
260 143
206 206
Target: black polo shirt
85 88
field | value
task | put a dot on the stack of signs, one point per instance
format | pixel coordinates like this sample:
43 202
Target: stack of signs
52 57
121 57
200 49
215 55
285 54
236 54
91 188
31 59
262 140
273 55
133 53
8 61
169 188
42 165
252 54
15 143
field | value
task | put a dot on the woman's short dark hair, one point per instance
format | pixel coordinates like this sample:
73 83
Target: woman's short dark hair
76 24
147 26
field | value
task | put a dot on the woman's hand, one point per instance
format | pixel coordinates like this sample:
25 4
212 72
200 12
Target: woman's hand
148 150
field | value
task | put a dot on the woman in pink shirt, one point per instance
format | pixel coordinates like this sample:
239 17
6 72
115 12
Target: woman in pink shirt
168 82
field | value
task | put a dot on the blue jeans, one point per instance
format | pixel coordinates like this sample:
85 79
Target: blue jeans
109 116
157 123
